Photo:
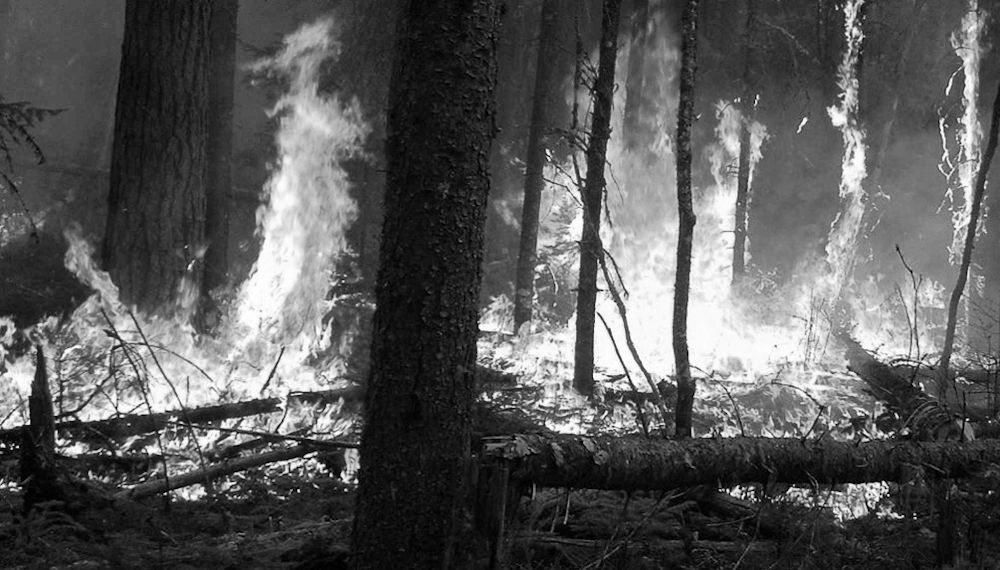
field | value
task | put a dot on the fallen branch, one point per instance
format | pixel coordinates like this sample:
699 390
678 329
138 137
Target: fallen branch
582 462
215 471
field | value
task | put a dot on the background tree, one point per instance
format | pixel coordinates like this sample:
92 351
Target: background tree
534 180
415 446
156 203
593 192
685 239
743 174
219 181
632 128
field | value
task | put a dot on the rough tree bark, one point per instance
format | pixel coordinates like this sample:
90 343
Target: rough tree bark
534 181
635 135
411 499
219 181
743 175
38 443
636 463
156 202
685 239
944 379
593 192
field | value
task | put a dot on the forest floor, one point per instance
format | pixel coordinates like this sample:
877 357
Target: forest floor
297 517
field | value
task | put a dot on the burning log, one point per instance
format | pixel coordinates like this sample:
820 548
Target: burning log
924 414
126 426
582 462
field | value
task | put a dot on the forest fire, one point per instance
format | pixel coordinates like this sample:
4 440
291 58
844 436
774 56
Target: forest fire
370 321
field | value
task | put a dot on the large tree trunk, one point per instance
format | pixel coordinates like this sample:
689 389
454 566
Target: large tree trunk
685 239
743 174
156 203
219 181
944 380
631 464
411 499
534 181
593 191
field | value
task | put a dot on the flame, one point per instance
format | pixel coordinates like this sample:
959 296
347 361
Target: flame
842 244
967 43
303 224
267 343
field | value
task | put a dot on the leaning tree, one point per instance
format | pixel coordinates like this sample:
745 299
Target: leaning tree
411 497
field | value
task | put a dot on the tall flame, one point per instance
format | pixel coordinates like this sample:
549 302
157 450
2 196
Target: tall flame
309 210
967 43
842 244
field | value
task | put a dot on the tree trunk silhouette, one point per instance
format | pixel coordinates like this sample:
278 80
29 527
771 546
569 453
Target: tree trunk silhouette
743 175
219 184
593 192
944 378
534 182
685 239
633 131
412 494
156 202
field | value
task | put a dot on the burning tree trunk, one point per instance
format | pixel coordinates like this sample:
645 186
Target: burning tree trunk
582 462
944 379
222 60
534 181
593 191
743 175
411 500
685 240
632 129
156 203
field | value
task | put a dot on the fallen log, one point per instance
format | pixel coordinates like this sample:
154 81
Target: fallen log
630 464
922 413
126 426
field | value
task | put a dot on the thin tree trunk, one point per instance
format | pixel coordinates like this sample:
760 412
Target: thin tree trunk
156 202
743 175
222 61
534 181
944 379
412 494
632 130
593 192
685 240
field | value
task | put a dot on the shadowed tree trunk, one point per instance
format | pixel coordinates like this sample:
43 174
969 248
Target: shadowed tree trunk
635 135
743 175
156 202
222 61
593 192
534 181
685 239
411 499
